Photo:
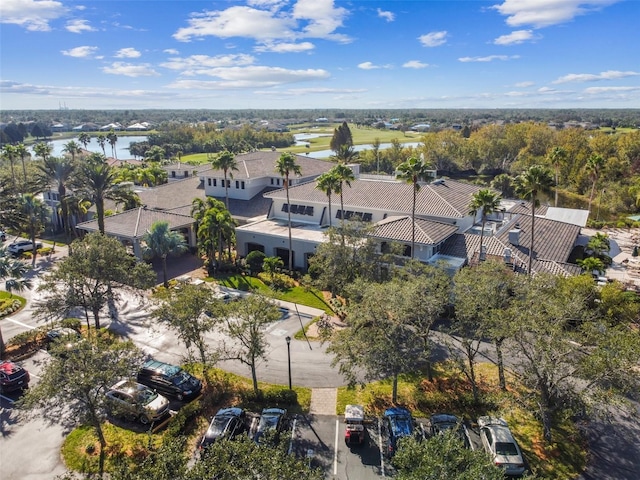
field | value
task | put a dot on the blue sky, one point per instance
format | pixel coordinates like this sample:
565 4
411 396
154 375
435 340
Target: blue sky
258 54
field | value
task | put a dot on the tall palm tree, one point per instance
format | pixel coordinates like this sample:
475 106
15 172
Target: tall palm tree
97 181
85 139
34 215
557 156
345 176
225 161
42 149
205 213
12 272
9 152
412 171
59 171
112 138
486 202
285 166
529 185
22 152
102 141
161 241
328 183
72 148
594 166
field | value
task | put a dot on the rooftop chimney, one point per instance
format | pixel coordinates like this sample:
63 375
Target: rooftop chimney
514 236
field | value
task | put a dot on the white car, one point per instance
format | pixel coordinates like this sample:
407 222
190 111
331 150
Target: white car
21 246
134 401
501 446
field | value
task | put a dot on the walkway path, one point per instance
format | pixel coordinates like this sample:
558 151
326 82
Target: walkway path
323 401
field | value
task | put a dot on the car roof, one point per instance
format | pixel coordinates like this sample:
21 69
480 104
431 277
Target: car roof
501 434
9 367
230 412
444 418
128 386
159 366
273 411
396 412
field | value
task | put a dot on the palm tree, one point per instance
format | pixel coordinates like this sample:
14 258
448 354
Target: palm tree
85 139
22 152
98 181
112 138
9 152
528 185
72 148
285 166
487 202
12 271
557 156
102 141
344 175
161 241
328 183
225 161
34 215
345 154
205 213
59 172
42 149
412 171
594 166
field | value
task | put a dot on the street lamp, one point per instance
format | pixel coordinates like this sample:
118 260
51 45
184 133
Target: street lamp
288 339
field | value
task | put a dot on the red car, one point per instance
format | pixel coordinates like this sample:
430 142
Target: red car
12 377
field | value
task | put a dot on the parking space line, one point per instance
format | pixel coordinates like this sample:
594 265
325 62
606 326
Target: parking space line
7 399
20 323
335 451
293 434
380 448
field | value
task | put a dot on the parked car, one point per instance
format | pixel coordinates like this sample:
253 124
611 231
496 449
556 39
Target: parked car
399 424
501 446
271 420
443 422
21 246
63 339
226 424
13 377
134 401
226 296
169 380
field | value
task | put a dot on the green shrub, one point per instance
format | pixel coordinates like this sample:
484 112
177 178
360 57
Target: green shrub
273 396
183 418
277 281
74 323
8 306
254 261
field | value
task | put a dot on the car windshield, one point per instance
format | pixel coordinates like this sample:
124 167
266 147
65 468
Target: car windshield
268 422
506 449
401 426
217 426
180 378
146 396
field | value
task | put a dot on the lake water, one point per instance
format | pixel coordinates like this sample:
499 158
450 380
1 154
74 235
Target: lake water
122 146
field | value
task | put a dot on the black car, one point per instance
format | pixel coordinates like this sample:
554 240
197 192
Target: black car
443 422
13 377
271 420
169 380
227 423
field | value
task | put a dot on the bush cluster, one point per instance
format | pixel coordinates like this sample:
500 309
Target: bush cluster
8 306
277 281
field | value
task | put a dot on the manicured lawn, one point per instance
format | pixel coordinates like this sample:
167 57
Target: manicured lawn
300 295
451 393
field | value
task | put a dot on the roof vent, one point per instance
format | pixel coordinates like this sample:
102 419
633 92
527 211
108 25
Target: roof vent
507 255
514 237
438 181
483 252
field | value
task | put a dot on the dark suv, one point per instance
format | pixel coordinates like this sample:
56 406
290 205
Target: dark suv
12 377
169 380
399 424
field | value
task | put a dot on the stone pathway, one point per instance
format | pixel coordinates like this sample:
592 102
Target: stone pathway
323 401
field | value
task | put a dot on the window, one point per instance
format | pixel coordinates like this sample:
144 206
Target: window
186 174
272 181
298 209
173 174
242 185
228 183
215 182
237 184
209 181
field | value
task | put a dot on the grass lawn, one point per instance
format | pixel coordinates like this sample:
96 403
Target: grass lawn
451 393
300 295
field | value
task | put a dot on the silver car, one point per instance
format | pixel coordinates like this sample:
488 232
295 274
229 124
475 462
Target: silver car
501 446
134 401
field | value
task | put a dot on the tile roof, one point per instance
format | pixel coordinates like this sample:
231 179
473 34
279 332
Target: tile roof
263 164
135 222
449 199
174 194
525 207
427 232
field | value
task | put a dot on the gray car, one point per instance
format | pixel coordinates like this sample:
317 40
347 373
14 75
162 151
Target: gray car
21 246
501 446
134 401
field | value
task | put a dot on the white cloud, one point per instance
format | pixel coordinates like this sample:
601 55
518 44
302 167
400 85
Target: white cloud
294 92
285 47
433 39
79 26
388 16
590 77
415 64
75 91
196 64
544 13
268 22
598 90
524 84
514 38
130 70
127 53
368 66
251 77
171 51
81 52
488 58
33 15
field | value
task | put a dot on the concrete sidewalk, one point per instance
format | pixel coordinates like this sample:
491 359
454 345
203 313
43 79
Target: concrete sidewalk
323 401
